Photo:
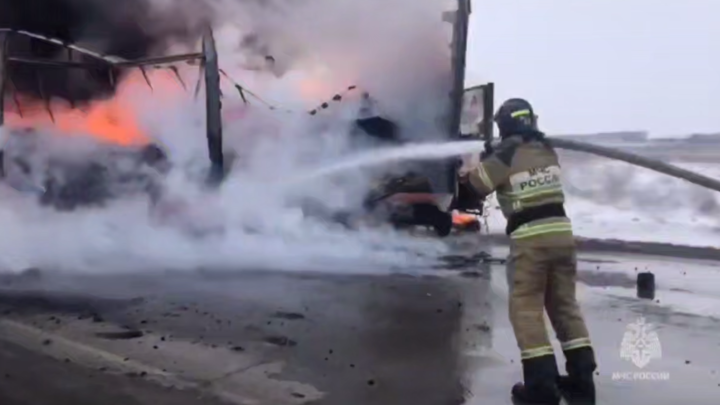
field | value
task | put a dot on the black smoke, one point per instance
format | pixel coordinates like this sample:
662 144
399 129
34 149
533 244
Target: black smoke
128 29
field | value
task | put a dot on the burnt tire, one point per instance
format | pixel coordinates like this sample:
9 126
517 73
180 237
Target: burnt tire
88 186
444 224
430 215
467 199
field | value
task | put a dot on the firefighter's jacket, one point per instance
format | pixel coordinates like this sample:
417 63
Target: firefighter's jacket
525 172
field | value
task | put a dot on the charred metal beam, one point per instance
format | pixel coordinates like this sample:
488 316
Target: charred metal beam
4 37
213 118
111 76
50 62
46 100
16 100
145 76
179 78
159 60
122 64
242 93
60 42
198 83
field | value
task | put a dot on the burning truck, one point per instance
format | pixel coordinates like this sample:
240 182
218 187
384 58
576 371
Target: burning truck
39 68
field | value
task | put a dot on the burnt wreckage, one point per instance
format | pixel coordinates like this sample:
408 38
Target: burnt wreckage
108 172
67 186
119 171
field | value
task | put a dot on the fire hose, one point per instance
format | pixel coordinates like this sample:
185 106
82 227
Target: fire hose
637 160
633 159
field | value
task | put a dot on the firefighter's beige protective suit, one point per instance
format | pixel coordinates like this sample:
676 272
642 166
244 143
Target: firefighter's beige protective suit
542 266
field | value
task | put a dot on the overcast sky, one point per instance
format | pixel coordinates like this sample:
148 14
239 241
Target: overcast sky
603 65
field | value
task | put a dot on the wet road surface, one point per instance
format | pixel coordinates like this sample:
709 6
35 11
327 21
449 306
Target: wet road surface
283 338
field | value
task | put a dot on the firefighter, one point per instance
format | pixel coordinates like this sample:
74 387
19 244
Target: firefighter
542 266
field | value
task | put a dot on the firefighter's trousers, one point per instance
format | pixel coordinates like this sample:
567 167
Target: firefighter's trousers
543 278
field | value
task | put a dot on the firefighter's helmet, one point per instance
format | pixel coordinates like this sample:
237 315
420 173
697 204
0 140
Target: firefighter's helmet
516 117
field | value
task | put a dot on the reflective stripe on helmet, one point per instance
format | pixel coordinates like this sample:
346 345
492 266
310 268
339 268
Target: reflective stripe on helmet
520 113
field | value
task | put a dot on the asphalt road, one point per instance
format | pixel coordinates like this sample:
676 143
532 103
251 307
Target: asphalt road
283 338
248 338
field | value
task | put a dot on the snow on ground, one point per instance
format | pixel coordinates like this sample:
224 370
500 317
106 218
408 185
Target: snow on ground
612 200
683 286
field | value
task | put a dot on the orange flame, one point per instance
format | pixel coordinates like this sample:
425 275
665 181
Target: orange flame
106 120
315 90
115 120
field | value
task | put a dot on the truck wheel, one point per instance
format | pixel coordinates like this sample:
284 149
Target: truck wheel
443 224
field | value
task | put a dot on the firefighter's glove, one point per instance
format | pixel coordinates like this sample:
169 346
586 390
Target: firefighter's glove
489 150
464 173
466 167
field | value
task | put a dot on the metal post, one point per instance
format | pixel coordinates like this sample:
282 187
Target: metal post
488 129
213 109
4 41
459 47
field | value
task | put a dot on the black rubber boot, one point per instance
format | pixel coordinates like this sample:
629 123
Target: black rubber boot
578 386
540 387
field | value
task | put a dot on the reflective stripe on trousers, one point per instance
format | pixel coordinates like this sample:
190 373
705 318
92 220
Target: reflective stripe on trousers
527 231
576 344
537 352
548 350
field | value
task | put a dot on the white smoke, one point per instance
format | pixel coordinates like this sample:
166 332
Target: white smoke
398 50
395 49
